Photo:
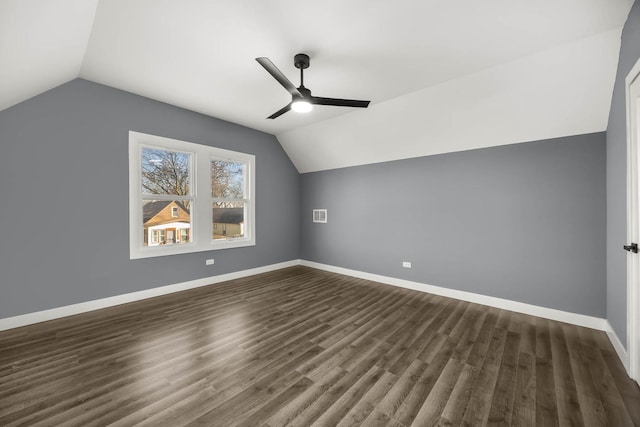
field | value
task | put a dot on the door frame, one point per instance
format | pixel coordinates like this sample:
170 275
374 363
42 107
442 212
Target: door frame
632 94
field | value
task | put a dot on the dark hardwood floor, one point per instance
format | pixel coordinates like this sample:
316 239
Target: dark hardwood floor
304 347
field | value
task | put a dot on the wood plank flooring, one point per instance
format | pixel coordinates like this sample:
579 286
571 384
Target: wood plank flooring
304 347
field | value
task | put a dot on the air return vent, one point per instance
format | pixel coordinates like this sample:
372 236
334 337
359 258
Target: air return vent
319 215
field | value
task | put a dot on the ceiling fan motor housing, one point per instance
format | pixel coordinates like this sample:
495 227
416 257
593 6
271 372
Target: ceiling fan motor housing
306 93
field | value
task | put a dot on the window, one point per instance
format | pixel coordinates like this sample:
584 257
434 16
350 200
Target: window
227 196
184 234
187 197
157 237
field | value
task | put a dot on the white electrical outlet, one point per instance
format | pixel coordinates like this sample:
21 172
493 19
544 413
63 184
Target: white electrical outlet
406 264
209 261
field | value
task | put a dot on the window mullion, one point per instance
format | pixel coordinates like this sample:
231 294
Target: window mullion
203 193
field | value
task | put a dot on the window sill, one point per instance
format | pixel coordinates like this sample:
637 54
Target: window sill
186 248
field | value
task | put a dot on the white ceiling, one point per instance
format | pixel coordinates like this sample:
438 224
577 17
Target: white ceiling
442 76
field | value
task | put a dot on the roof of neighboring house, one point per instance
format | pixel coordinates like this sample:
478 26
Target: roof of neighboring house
151 209
228 215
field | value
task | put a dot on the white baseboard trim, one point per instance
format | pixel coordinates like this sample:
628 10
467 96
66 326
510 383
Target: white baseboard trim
534 310
83 307
618 346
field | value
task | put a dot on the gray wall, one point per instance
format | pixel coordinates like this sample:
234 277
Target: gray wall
64 192
617 180
525 222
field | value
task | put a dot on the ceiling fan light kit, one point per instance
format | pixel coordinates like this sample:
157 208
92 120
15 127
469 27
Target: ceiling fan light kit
301 99
301 106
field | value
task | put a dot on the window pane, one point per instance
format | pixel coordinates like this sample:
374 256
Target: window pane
228 220
161 227
227 179
165 172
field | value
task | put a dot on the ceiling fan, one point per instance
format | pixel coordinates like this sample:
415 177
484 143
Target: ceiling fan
301 99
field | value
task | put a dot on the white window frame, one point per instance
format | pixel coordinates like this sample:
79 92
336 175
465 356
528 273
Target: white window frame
201 229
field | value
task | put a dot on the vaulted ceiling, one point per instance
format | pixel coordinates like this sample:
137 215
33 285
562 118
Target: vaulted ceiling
442 76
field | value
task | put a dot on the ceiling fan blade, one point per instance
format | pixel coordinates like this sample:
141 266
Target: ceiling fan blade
280 111
277 74
340 102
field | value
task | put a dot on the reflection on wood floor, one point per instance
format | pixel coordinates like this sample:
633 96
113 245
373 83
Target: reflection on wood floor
304 347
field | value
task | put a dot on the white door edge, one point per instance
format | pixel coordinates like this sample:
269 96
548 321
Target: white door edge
632 91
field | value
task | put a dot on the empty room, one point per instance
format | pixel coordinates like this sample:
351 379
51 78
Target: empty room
295 213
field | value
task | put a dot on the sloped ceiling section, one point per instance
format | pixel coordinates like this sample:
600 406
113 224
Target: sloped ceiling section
560 92
442 76
42 45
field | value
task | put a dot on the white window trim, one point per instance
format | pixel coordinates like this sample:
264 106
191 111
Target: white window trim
201 213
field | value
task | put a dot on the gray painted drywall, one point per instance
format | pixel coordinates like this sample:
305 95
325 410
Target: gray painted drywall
617 179
525 222
64 191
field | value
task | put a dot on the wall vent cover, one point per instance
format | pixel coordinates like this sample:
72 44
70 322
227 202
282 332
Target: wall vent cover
319 215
